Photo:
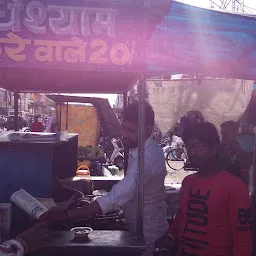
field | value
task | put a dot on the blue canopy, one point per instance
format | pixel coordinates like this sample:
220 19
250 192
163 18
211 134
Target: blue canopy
196 40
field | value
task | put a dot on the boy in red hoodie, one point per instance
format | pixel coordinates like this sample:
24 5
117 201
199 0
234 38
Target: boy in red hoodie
214 217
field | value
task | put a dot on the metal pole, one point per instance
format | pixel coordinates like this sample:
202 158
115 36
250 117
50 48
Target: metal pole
60 119
6 98
126 150
125 102
252 182
16 111
141 148
67 118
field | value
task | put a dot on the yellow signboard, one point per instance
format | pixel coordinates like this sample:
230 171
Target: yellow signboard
82 119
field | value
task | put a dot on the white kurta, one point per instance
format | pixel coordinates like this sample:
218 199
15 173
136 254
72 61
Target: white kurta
123 195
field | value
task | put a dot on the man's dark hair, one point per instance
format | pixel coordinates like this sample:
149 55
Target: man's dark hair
204 132
230 124
131 113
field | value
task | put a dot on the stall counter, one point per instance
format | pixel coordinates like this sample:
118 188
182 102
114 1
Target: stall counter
99 243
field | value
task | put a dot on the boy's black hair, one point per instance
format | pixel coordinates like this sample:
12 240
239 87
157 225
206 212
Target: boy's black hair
204 132
131 113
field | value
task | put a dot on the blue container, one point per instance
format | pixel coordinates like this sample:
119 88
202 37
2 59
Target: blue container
34 166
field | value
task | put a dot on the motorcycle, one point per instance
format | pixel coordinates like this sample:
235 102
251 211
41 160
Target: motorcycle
177 146
114 151
117 156
174 150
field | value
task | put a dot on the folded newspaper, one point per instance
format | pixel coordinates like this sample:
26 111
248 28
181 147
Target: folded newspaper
29 204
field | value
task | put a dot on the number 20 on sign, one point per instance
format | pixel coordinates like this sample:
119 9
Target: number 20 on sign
119 53
76 50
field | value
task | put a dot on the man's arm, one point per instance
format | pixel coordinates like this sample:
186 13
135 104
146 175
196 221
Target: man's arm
240 219
29 241
170 239
85 212
125 190
12 248
121 193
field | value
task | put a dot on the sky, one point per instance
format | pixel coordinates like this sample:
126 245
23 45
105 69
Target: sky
200 3
206 4
111 97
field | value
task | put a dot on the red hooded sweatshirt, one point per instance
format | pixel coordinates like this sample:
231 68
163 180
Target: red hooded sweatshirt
214 217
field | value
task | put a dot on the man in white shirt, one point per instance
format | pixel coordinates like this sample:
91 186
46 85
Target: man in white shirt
124 194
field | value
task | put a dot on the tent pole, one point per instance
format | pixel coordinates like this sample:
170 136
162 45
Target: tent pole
67 118
125 100
141 147
253 196
126 151
60 119
16 111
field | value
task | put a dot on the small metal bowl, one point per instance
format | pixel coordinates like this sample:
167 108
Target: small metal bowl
81 233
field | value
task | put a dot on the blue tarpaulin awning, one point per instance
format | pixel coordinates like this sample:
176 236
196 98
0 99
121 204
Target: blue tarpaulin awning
196 40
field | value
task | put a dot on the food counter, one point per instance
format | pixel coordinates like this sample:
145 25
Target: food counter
99 243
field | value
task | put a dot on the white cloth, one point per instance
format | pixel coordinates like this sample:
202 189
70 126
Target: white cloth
123 195
4 248
218 100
